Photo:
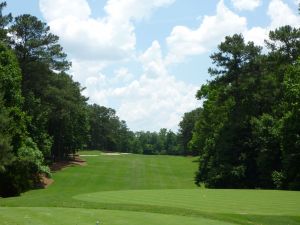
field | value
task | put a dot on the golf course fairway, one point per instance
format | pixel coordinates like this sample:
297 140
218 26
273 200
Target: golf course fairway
151 190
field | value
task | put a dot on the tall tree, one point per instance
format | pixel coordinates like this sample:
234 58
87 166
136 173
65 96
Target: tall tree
33 41
226 160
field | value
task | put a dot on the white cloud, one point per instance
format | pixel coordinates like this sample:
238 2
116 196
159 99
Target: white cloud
57 8
165 100
122 75
109 38
282 17
87 38
153 62
152 101
156 97
124 10
184 41
246 4
256 34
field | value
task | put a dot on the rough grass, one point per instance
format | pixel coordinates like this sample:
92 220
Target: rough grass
152 190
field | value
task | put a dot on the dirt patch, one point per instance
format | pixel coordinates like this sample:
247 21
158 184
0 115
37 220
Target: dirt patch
57 166
45 181
76 161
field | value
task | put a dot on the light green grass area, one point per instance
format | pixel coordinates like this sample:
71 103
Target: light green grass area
54 216
137 189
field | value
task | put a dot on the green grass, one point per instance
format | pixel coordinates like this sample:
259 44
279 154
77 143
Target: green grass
213 201
137 189
33 216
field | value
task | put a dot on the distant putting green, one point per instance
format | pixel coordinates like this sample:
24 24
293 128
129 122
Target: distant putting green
153 190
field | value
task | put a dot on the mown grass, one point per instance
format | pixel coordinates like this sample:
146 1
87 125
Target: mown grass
137 189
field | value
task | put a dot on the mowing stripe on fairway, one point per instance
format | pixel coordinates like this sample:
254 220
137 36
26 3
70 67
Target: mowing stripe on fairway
257 202
67 216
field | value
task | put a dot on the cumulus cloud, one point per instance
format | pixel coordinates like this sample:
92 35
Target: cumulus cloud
246 4
85 37
156 99
184 41
282 17
109 38
281 14
165 100
153 62
256 34
124 10
122 75
57 8
153 100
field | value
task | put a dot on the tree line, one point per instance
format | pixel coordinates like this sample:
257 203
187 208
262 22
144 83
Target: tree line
108 132
248 131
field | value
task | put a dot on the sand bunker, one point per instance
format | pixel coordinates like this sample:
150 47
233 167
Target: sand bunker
107 153
114 153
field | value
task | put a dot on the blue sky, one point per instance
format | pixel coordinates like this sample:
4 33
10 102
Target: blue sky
147 58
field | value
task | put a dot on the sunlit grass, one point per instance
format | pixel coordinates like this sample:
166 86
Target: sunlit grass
137 189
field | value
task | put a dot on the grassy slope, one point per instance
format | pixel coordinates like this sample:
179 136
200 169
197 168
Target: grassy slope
117 189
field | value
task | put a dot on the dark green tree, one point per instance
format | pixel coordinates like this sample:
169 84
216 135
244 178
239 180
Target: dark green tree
33 41
290 129
186 127
224 127
21 161
6 150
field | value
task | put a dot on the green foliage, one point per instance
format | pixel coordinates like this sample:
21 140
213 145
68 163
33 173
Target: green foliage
32 41
10 77
278 179
10 88
266 143
290 128
186 128
104 128
248 129
6 154
24 172
162 142
109 133
20 159
67 120
30 156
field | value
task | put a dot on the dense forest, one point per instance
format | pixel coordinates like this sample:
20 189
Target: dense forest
247 133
